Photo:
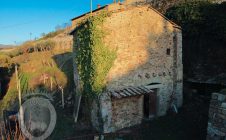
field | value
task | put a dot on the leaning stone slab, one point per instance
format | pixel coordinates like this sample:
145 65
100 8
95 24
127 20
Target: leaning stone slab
211 131
223 105
221 97
217 117
215 96
224 112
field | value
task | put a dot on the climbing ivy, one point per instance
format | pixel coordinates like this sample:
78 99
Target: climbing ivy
93 58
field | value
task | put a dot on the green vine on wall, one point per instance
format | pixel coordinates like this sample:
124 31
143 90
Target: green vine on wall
93 58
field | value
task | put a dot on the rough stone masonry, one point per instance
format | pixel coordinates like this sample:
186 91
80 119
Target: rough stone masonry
149 52
148 57
217 118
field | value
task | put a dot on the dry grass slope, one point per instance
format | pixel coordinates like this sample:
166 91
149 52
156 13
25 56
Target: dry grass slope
41 66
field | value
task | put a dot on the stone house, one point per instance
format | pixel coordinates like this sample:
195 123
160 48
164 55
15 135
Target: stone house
146 78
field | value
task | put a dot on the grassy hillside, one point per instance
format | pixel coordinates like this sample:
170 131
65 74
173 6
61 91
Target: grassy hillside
44 64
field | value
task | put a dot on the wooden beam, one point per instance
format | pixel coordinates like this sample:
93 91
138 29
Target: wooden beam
91 7
126 92
18 86
143 88
76 107
115 94
62 95
129 89
121 93
136 92
144 91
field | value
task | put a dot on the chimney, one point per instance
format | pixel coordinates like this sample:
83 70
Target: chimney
98 6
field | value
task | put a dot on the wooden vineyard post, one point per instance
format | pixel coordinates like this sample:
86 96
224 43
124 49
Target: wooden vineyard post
18 86
62 95
78 89
51 83
44 79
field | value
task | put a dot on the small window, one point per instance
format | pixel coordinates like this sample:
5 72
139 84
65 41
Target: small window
168 51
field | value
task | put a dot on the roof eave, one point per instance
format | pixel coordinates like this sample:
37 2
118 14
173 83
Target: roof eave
89 12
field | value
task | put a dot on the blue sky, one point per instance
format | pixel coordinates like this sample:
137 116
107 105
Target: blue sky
19 18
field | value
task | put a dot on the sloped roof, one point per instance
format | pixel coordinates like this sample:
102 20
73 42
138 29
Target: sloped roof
174 24
98 9
129 92
103 7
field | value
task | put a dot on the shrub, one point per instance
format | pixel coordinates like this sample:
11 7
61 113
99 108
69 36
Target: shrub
45 45
42 45
200 17
4 60
52 34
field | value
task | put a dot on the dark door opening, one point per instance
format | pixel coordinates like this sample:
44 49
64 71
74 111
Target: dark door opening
146 106
150 105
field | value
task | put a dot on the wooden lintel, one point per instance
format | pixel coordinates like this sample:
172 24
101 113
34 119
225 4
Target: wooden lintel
134 90
122 94
131 91
126 92
115 94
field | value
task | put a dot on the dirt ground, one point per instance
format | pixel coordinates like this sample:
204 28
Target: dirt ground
189 124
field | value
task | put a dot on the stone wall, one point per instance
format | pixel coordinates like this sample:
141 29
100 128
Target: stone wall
101 114
114 7
127 112
178 66
149 51
142 38
217 118
110 115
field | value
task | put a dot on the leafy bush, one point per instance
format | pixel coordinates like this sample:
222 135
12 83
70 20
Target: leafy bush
200 18
45 45
15 53
41 45
4 60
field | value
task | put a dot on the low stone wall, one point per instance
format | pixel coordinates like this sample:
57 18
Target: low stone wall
114 114
127 112
217 118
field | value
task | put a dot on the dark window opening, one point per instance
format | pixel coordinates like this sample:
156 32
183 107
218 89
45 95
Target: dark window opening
168 51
